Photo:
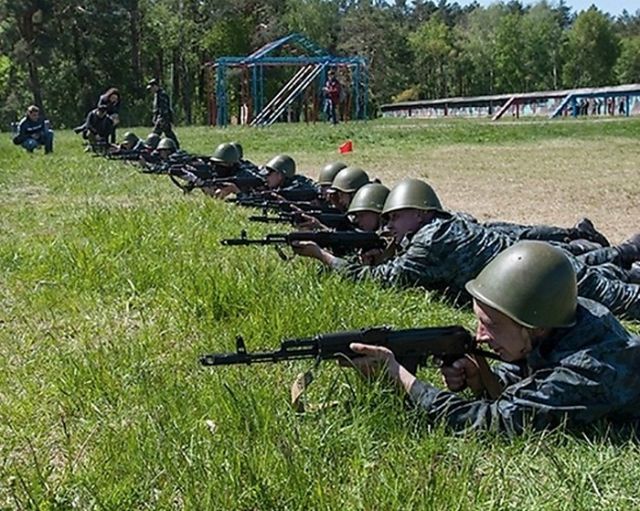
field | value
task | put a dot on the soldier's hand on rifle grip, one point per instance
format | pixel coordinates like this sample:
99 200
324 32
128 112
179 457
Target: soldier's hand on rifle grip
371 257
461 374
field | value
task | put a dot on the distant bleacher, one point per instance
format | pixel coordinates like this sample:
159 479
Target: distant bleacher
602 101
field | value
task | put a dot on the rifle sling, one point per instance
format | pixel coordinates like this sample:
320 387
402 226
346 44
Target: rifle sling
489 380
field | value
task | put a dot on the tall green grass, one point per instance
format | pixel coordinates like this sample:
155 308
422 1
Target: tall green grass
113 283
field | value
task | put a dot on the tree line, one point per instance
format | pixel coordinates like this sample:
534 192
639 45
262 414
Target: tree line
62 54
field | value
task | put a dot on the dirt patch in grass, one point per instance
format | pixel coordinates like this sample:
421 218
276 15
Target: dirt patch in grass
552 182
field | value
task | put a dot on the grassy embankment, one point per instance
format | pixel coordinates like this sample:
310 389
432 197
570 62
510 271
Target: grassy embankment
113 283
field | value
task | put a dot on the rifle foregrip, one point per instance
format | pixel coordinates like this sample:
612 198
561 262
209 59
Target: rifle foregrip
223 359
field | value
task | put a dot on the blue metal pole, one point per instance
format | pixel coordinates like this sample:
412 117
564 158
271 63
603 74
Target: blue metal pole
627 104
254 92
220 96
261 88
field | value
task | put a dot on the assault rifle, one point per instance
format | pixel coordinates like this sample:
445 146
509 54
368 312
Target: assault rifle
123 155
336 221
411 347
244 181
340 243
301 194
151 167
262 201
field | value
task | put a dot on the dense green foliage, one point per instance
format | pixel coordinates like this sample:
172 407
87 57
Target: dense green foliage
112 283
63 54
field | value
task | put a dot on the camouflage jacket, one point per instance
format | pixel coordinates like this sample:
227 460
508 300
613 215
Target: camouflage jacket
162 107
579 374
450 250
298 188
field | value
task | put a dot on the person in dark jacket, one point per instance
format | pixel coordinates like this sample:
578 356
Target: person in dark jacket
568 361
33 131
111 100
162 112
332 90
98 128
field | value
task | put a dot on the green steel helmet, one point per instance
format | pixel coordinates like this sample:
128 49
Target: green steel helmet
329 171
152 140
370 197
350 179
130 137
532 282
283 164
166 143
225 153
411 194
238 147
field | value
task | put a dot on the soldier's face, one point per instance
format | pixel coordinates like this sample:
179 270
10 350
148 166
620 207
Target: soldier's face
339 200
506 337
367 220
274 179
402 222
323 191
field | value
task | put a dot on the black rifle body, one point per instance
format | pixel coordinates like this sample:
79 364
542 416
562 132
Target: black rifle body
338 242
412 347
336 221
264 203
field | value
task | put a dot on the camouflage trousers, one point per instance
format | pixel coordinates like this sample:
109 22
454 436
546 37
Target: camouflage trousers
533 232
602 284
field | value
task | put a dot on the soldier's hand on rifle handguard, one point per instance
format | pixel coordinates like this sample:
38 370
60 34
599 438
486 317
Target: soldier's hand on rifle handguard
311 249
373 361
311 223
220 192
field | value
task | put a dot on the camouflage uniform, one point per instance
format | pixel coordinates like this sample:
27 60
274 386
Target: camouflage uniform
163 116
298 188
544 233
449 251
249 166
580 374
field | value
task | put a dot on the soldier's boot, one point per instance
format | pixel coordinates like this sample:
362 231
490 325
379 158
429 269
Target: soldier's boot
629 250
585 229
634 274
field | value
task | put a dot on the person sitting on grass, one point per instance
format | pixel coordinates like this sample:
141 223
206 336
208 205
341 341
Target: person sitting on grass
33 131
568 360
97 129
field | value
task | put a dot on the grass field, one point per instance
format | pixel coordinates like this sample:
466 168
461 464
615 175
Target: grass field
112 284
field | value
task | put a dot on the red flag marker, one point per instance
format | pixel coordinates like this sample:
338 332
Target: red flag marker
345 147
